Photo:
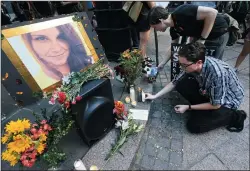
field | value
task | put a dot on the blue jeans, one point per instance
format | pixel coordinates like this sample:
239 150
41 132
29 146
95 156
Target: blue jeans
220 44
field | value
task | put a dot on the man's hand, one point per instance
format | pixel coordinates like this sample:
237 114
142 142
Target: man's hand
149 96
181 108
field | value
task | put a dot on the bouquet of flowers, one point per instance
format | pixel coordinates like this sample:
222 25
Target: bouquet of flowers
25 142
68 93
125 124
131 62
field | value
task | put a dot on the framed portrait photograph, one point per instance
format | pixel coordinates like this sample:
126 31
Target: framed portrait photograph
45 51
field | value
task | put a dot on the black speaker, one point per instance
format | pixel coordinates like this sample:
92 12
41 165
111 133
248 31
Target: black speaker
94 113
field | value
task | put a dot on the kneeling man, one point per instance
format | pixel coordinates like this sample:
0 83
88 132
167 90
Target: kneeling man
212 88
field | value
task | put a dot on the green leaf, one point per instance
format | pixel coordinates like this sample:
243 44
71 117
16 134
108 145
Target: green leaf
2 36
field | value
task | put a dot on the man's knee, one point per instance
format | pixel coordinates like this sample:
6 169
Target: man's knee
193 128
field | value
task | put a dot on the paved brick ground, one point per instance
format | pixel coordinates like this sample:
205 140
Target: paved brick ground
166 144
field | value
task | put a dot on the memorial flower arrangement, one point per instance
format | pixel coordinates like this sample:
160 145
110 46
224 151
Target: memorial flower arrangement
131 62
126 126
68 93
25 141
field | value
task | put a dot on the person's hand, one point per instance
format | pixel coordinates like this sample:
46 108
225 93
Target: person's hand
181 108
201 41
149 96
160 66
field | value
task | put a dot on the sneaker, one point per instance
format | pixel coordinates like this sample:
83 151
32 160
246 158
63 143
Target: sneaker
238 124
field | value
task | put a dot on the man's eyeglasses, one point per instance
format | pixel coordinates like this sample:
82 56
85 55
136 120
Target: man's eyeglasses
184 66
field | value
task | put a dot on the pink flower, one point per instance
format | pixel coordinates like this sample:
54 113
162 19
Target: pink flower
52 101
78 98
34 125
73 102
43 121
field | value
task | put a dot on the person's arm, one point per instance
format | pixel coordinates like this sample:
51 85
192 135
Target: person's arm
169 87
205 106
202 106
66 2
208 15
151 4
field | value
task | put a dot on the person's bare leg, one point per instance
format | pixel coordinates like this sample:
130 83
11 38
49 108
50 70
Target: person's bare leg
244 52
144 37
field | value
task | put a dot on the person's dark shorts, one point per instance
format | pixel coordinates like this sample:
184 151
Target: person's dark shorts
142 24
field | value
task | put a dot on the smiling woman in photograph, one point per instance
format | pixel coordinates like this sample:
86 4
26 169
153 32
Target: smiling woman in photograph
58 50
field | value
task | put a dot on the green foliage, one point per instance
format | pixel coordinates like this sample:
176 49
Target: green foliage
131 62
77 79
61 125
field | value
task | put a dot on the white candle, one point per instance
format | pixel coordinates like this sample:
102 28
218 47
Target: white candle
132 93
79 165
143 96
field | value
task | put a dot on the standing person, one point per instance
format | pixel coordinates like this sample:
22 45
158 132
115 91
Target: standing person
244 52
5 15
212 89
203 24
143 26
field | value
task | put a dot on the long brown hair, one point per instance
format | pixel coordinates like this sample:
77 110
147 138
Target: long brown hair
77 59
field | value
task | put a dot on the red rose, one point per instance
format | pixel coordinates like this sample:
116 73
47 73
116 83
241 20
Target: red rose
61 97
78 98
67 104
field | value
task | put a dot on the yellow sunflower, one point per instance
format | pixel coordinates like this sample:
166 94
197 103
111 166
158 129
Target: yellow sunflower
13 162
5 138
20 143
17 126
10 157
40 148
43 137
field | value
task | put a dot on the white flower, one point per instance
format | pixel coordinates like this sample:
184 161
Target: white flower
66 79
118 124
130 116
139 128
125 125
45 95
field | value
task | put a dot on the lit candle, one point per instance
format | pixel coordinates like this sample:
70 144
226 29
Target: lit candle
79 165
93 167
